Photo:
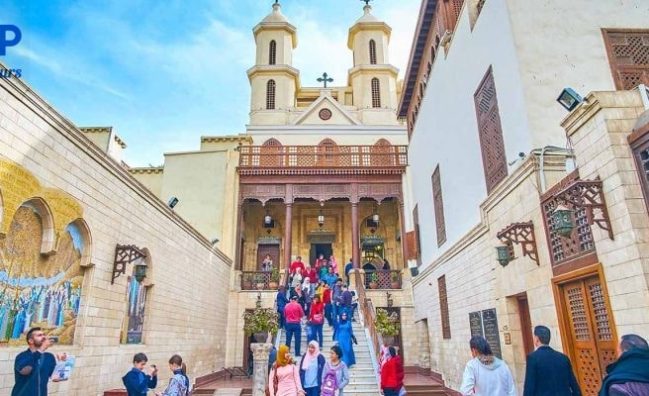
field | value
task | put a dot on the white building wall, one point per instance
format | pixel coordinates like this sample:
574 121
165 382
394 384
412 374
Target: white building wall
446 132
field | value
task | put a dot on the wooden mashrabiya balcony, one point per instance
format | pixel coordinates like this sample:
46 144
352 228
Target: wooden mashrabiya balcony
307 160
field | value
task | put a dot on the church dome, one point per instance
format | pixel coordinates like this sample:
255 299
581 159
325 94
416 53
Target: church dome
276 21
367 22
276 15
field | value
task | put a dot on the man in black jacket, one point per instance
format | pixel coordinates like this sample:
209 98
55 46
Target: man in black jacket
630 374
548 372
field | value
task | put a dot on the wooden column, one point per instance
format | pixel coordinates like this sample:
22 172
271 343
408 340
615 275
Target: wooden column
402 224
288 235
356 251
238 256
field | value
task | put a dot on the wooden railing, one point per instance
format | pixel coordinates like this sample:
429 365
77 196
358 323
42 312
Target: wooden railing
380 279
257 280
323 156
366 310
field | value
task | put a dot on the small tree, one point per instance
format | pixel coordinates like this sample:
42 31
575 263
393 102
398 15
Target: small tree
274 275
261 320
387 324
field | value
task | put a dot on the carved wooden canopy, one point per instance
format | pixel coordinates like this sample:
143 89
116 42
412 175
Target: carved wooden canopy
353 192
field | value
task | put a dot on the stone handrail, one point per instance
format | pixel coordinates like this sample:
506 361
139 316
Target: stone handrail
367 312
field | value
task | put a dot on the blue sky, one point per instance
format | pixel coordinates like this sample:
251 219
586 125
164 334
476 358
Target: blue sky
164 73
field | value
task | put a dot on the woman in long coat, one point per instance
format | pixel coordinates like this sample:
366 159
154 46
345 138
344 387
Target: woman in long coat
345 337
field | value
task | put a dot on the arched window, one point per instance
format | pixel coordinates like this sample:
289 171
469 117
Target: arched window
272 53
270 95
376 93
372 52
272 142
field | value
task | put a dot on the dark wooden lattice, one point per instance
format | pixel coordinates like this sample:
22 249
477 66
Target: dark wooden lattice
628 54
523 234
270 95
372 52
443 307
272 52
125 254
376 93
490 131
640 147
438 204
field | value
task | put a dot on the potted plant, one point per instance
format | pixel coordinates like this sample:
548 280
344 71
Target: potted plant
260 322
247 282
274 279
374 280
396 283
260 281
387 325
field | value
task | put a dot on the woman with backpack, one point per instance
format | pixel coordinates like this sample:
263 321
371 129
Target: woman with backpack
178 384
284 377
335 375
345 337
311 368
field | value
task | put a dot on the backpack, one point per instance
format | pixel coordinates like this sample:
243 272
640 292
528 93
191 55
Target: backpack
329 384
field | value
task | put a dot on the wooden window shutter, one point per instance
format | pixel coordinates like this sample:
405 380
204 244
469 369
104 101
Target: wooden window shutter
490 130
438 204
443 307
411 245
628 54
415 219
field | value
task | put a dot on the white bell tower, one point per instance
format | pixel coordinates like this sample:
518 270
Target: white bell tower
273 79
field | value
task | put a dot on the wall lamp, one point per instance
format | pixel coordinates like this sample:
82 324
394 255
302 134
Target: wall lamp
569 99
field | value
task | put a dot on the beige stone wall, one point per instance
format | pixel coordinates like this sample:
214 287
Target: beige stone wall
475 281
151 178
599 133
185 308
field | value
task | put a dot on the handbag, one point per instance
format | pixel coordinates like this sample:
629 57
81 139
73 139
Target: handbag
318 318
275 382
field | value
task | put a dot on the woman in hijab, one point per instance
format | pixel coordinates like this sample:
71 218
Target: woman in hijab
311 368
345 337
284 378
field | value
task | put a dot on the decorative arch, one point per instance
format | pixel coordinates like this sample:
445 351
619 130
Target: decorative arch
376 93
270 94
327 150
383 153
372 52
86 241
48 236
272 52
382 142
327 142
272 142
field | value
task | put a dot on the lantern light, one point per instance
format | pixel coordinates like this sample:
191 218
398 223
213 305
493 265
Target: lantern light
268 219
321 219
504 256
376 218
140 270
562 220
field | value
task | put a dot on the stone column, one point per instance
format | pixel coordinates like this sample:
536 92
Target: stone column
288 235
260 354
356 249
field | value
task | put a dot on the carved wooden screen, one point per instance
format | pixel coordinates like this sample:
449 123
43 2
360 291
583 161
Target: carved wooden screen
490 131
415 219
591 331
571 252
443 307
438 204
271 154
640 148
628 54
327 153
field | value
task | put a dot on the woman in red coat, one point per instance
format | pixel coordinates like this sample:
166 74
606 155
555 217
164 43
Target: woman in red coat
392 374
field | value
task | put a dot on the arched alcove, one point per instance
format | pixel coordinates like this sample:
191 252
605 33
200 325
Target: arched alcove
48 236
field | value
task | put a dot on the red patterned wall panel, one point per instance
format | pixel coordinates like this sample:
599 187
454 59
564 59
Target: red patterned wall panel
628 54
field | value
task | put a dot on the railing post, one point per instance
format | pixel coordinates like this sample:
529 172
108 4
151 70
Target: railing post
260 354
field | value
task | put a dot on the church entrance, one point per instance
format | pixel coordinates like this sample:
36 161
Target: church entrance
319 248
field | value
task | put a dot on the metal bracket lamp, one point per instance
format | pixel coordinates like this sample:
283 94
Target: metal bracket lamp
569 99
126 254
517 233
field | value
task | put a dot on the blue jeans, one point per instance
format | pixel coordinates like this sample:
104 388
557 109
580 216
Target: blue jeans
329 314
315 391
294 330
316 334
390 392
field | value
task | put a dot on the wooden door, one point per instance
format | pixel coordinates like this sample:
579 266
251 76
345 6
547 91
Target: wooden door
590 329
263 250
526 324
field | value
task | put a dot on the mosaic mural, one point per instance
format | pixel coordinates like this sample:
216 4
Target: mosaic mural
136 297
39 290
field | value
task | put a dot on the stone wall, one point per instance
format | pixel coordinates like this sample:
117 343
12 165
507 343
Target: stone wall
188 279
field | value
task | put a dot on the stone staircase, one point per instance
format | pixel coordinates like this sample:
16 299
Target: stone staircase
363 379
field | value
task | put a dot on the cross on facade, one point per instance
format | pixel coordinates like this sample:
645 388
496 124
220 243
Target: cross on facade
325 79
